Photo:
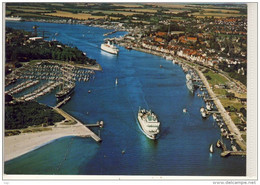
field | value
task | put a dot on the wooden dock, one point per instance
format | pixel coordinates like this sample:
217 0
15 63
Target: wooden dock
89 133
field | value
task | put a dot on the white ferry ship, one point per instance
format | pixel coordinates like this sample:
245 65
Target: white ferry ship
149 123
110 48
12 18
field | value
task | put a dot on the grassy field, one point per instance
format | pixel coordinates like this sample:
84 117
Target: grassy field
128 5
167 5
34 10
216 79
12 7
139 10
216 15
144 22
221 93
107 12
174 11
222 11
233 102
81 16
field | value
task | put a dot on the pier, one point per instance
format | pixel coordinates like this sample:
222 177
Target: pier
109 33
46 88
213 111
98 124
226 152
21 87
62 102
85 129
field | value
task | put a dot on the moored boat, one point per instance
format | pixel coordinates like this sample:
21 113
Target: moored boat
149 123
190 85
66 91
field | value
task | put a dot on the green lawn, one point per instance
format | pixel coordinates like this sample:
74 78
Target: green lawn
216 79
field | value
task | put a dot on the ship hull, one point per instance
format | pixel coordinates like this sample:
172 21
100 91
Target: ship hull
190 86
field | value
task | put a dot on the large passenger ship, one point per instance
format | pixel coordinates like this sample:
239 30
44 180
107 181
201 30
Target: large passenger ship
12 18
110 47
149 123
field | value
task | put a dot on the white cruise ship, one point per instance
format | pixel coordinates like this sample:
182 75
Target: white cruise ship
110 48
13 18
149 123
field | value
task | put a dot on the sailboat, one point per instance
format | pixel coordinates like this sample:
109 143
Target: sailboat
211 148
116 82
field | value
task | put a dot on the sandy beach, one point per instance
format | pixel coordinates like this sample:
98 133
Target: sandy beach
18 145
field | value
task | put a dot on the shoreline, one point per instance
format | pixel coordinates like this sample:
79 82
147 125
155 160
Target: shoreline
228 121
18 145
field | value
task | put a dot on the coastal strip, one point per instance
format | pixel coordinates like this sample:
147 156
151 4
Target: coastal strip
227 119
18 145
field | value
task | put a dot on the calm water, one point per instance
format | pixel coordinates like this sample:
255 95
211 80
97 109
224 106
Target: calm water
183 147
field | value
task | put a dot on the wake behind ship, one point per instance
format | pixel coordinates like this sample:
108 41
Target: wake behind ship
110 48
149 123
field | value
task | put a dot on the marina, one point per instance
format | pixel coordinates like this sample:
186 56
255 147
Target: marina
21 87
47 72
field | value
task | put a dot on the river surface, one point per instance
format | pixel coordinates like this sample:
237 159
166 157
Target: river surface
183 146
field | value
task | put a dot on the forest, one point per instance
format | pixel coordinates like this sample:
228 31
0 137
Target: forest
24 114
19 48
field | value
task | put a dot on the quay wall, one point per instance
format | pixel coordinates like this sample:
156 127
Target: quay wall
228 121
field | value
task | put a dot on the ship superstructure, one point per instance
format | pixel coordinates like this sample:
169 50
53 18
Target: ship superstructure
149 123
67 82
109 47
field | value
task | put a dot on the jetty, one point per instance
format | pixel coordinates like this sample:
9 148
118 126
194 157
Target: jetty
98 124
46 88
87 131
62 102
21 87
226 152
109 33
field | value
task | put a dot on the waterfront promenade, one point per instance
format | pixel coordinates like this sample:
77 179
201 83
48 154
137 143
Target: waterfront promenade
228 121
